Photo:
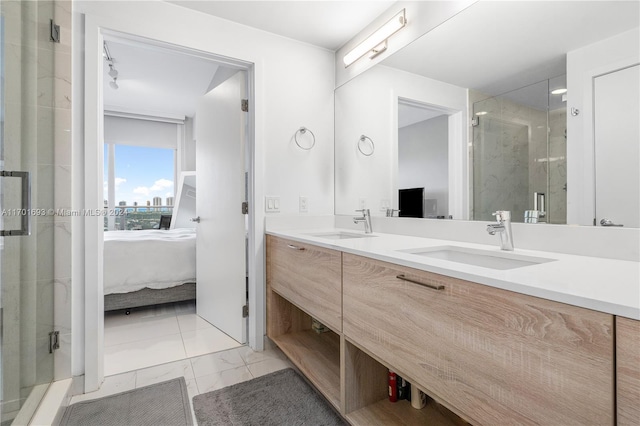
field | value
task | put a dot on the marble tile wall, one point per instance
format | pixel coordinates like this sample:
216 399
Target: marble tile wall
36 269
501 152
511 158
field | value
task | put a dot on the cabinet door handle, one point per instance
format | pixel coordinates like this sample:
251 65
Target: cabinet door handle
435 287
291 246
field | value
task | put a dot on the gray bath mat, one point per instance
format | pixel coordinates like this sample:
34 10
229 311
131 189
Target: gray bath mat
280 398
162 404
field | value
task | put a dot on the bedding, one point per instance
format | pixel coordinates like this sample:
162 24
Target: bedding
151 258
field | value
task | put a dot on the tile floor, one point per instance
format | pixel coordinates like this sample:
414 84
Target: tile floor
166 342
158 335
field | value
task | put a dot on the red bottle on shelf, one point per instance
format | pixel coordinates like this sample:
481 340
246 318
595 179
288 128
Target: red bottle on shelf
393 389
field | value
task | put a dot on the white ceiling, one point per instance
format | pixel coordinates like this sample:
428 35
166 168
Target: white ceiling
162 82
155 81
328 24
409 113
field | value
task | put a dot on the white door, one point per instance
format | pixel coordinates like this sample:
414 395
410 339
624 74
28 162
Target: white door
220 242
617 147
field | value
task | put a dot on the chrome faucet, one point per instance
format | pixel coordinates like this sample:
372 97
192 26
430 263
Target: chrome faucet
502 227
366 218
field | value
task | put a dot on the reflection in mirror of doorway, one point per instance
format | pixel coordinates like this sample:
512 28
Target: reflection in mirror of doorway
423 159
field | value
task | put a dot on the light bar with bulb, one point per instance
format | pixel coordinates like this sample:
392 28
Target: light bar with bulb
376 39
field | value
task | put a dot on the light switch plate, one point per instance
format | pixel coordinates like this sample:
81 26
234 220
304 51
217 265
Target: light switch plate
272 204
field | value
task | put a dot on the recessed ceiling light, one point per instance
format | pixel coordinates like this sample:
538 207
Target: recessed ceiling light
558 91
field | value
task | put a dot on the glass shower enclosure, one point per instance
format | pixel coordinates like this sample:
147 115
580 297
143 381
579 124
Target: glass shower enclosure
519 154
27 67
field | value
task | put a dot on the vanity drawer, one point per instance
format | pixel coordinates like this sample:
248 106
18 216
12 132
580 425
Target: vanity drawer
494 356
308 276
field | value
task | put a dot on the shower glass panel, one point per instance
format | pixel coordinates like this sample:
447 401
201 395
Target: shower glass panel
26 261
519 153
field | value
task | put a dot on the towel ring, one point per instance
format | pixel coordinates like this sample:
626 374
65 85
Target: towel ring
302 131
366 152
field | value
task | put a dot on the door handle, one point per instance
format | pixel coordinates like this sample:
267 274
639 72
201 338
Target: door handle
25 225
608 222
195 219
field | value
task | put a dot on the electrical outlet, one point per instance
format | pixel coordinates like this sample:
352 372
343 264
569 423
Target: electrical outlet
304 205
272 204
362 203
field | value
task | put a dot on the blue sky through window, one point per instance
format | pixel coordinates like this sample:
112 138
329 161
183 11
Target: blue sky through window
141 173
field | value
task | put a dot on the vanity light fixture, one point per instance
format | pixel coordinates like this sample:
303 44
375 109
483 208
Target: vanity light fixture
558 91
376 43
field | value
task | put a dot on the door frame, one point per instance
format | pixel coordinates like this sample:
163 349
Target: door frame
457 150
88 187
580 127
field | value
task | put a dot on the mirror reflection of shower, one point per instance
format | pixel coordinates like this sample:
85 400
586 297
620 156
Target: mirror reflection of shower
518 155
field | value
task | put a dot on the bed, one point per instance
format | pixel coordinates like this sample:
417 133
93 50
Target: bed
148 267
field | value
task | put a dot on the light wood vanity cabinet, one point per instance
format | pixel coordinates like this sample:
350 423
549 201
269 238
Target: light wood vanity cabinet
309 277
305 281
492 356
488 356
628 370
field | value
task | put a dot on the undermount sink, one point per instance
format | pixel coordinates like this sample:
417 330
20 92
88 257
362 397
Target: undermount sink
339 235
478 257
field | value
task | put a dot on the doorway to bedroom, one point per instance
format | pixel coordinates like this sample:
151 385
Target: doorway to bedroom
176 164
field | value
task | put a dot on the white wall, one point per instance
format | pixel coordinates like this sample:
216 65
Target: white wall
368 105
583 65
293 87
423 159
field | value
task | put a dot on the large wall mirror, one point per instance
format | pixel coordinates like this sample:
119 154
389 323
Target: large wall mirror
528 106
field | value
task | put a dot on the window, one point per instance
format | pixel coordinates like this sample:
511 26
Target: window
141 188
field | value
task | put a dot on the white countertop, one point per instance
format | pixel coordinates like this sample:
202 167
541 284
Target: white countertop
605 285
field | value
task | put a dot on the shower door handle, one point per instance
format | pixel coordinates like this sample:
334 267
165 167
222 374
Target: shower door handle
25 212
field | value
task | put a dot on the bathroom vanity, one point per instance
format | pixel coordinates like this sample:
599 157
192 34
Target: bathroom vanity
510 343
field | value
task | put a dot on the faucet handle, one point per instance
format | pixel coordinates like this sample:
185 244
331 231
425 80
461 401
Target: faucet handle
502 215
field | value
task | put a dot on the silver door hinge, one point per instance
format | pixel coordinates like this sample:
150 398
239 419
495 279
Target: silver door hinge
244 105
54 341
475 121
245 311
245 207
